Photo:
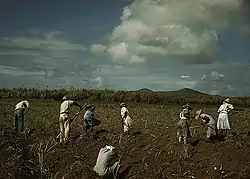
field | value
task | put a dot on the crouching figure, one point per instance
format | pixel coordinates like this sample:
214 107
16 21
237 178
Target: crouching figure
104 166
208 121
90 121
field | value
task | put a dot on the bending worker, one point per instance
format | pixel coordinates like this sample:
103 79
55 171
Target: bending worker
19 112
89 119
103 166
208 121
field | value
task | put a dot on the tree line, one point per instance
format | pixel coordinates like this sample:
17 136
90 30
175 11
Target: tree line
120 96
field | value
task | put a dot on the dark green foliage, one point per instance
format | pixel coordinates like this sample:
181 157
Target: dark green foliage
150 97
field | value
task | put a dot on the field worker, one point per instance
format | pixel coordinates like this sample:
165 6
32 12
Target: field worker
89 119
126 119
208 121
183 124
64 119
224 109
104 166
19 111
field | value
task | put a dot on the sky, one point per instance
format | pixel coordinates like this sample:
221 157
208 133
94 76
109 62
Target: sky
162 45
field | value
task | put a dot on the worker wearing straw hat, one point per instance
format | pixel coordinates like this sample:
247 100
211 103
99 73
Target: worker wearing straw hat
223 121
183 124
64 119
90 121
208 121
126 119
19 112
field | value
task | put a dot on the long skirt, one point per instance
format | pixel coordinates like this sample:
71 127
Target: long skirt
223 122
127 124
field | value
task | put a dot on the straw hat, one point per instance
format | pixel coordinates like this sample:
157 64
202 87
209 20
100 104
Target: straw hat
227 100
187 106
122 105
198 113
89 106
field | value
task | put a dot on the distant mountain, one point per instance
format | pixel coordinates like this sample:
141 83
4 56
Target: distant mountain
180 92
189 91
183 92
145 90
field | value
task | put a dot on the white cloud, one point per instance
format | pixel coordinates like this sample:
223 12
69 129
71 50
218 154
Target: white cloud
187 84
46 47
6 70
119 51
124 78
204 77
49 42
216 76
170 27
50 51
213 76
185 77
215 92
99 81
97 49
230 88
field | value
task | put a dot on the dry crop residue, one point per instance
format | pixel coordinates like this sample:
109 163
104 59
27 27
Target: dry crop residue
151 149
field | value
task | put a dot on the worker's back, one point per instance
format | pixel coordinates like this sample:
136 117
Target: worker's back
65 106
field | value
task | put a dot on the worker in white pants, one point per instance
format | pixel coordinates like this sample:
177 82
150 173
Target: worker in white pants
64 119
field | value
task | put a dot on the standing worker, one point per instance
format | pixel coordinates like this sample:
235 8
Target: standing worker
126 119
224 109
208 121
64 119
184 123
19 111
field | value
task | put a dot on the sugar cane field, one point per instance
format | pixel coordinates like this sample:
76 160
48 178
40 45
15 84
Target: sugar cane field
151 149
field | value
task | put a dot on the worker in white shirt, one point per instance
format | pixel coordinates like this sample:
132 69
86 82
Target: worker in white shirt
19 112
223 121
208 121
183 130
126 119
108 164
64 119
103 166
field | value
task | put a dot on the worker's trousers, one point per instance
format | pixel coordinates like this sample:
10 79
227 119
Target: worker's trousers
64 123
19 119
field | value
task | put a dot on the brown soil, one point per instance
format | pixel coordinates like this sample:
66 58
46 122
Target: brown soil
152 149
